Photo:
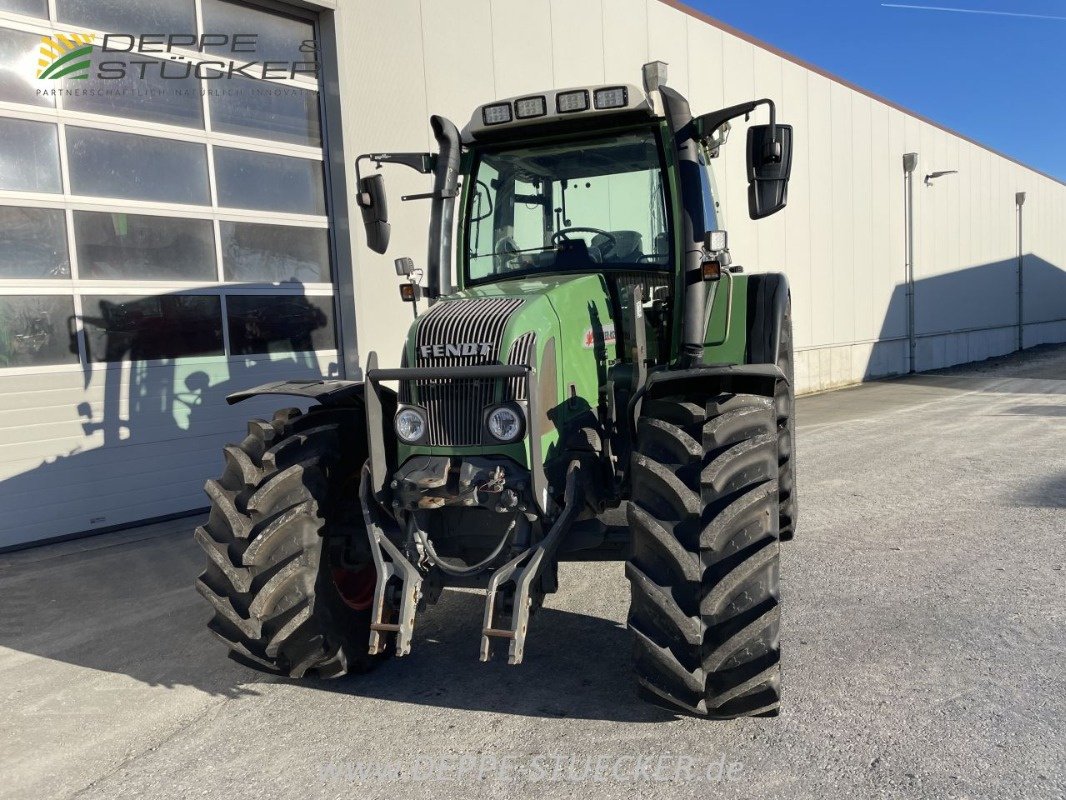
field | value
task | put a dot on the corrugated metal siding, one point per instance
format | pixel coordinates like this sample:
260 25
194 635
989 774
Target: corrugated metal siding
132 442
841 238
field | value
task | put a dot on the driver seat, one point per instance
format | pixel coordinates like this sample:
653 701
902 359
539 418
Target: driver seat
572 253
628 246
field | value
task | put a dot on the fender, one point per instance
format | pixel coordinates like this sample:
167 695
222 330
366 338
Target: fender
768 295
711 379
375 407
326 392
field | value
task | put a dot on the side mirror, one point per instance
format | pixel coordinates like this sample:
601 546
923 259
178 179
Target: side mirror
769 168
375 212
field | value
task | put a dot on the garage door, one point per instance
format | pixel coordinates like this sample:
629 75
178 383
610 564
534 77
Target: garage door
163 241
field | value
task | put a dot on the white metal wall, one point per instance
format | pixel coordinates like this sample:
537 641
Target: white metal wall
841 239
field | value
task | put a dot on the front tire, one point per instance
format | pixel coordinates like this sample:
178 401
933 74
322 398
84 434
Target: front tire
705 607
785 404
288 562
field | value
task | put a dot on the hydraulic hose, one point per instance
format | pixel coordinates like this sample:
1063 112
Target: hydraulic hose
457 568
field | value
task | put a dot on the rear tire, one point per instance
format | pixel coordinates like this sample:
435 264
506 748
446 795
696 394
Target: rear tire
280 530
705 607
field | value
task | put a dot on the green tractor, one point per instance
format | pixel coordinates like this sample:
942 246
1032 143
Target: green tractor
594 380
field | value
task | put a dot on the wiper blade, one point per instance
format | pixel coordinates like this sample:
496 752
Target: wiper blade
514 252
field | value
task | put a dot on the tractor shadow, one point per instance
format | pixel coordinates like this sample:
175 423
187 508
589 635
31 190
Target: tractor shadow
120 603
576 666
124 603
1046 492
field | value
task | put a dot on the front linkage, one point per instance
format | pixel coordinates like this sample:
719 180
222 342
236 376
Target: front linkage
510 584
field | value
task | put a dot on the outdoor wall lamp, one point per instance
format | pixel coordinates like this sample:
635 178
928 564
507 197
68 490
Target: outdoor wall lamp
934 175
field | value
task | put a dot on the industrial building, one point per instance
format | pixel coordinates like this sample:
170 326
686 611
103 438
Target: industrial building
170 234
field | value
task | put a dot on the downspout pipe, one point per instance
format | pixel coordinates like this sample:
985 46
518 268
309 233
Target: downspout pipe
1019 200
679 116
910 163
442 212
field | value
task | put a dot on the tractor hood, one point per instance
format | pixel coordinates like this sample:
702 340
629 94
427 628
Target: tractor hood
561 326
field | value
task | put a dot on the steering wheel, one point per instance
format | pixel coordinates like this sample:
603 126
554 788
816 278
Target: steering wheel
563 235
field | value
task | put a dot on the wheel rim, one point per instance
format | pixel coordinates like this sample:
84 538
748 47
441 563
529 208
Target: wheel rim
356 586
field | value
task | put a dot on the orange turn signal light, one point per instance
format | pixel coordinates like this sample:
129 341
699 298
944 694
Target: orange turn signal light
712 270
407 292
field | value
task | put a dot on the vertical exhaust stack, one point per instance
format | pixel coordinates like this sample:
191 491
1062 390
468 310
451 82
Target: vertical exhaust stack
679 115
445 183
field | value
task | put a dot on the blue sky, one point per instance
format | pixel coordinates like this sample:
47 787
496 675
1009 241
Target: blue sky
998 79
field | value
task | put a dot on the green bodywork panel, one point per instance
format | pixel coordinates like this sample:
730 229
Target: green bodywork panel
727 327
571 316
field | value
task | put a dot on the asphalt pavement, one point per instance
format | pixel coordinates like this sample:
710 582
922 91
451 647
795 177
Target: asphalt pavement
924 646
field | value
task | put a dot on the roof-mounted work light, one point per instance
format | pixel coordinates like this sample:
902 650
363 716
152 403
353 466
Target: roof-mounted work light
496 114
529 107
611 97
569 102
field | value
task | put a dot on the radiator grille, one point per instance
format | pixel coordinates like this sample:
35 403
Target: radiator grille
522 351
454 406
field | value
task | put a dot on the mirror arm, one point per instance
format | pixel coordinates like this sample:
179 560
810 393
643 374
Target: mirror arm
424 163
707 124
419 162
429 196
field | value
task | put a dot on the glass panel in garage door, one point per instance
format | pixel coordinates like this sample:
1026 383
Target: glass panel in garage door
141 246
278 37
130 16
18 64
173 99
125 165
279 324
273 183
35 331
278 113
29 156
32 8
121 328
33 243
274 253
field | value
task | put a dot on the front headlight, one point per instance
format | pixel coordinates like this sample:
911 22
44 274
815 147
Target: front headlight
505 423
410 425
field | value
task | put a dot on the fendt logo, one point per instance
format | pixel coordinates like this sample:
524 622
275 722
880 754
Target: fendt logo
65 55
455 350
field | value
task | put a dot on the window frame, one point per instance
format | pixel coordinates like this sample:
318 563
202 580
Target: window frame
474 154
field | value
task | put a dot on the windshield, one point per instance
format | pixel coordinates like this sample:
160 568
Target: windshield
574 206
